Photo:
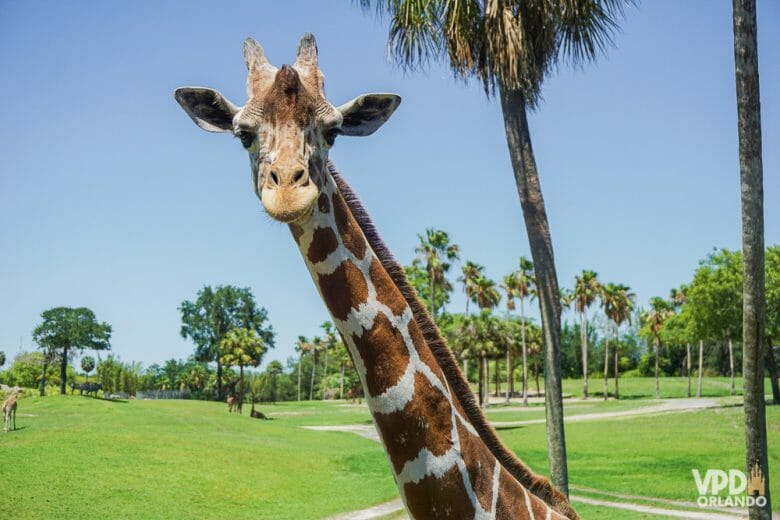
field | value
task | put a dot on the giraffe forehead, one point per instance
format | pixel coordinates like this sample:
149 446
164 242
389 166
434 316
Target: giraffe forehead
292 96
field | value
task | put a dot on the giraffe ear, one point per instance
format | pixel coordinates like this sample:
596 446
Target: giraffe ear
208 108
365 114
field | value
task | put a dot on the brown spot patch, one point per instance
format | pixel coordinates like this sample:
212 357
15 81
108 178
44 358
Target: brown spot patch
323 243
384 354
425 422
350 232
343 289
297 232
434 498
480 464
323 203
386 291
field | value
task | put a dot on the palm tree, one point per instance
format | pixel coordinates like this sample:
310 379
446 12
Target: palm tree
609 296
752 190
436 252
486 296
653 321
526 287
679 297
471 271
511 46
301 346
330 342
586 289
315 348
619 311
509 285
241 348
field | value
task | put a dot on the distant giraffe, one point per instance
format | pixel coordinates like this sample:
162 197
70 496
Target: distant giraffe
9 409
446 459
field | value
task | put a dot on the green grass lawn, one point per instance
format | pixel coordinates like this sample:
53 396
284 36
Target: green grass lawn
77 457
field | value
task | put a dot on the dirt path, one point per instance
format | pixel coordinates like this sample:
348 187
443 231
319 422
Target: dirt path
624 502
671 405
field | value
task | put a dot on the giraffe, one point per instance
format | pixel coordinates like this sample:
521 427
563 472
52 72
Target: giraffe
446 460
9 409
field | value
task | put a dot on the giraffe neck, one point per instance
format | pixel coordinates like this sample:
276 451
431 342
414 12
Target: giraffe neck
442 467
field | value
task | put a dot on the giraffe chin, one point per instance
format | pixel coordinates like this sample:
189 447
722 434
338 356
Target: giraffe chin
290 216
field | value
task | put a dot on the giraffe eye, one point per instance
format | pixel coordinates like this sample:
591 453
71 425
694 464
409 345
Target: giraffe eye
246 138
330 135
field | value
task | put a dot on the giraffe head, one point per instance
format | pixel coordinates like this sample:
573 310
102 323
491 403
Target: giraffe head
287 125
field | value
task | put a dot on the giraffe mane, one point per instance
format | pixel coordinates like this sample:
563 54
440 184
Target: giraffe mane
536 484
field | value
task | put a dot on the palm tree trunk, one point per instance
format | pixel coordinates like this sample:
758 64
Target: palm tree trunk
497 377
313 368
525 354
43 380
433 298
752 194
606 368
657 387
701 367
481 371
617 370
341 382
219 381
536 368
772 368
521 153
688 365
300 362
731 367
325 374
584 343
508 372
63 370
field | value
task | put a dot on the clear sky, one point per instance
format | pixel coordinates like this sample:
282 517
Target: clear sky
111 198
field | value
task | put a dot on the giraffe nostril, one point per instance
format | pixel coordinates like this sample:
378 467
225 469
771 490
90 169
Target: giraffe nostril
274 178
298 176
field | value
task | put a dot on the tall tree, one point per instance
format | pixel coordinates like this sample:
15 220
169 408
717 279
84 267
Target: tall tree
652 327
214 313
509 285
315 347
714 299
329 342
511 46
486 296
526 288
241 348
752 190
679 297
2 358
437 252
301 346
586 290
65 330
471 272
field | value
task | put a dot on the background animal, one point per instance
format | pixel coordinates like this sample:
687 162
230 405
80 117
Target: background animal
9 409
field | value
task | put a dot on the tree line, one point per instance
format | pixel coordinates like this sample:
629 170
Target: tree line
696 331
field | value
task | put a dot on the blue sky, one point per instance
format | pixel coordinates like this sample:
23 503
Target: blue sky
111 198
